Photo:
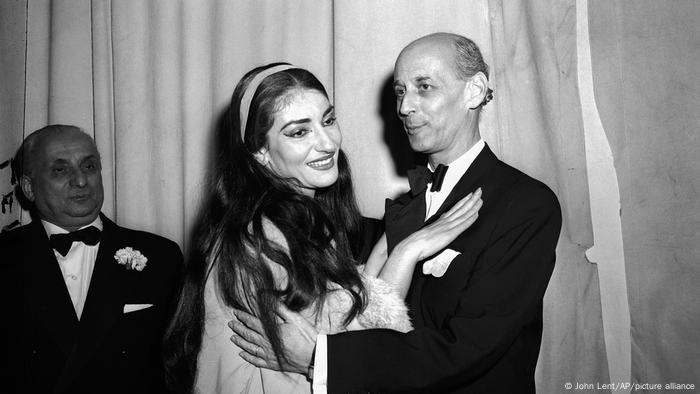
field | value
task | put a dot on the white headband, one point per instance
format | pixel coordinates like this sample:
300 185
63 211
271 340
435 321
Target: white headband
250 92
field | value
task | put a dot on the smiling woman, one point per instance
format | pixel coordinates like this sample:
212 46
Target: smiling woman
304 141
282 229
281 226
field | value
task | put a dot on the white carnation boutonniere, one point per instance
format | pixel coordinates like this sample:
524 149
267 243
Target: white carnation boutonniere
132 259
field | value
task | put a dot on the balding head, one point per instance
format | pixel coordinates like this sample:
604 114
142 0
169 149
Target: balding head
467 59
59 171
26 154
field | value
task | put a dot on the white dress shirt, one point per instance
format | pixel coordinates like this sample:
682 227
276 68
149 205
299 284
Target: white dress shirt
433 201
457 168
76 265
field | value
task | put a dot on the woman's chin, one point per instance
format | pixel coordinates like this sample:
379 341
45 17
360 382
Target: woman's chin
319 184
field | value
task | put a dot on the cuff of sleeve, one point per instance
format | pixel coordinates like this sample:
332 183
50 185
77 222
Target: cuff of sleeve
320 378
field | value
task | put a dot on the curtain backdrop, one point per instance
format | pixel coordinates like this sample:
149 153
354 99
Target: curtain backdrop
645 56
150 79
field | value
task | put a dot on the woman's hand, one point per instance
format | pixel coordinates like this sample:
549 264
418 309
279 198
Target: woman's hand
436 236
429 240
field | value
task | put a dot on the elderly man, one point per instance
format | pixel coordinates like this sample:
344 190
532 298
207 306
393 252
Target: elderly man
477 305
86 301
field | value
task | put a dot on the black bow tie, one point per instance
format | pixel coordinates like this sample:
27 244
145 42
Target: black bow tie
419 177
62 242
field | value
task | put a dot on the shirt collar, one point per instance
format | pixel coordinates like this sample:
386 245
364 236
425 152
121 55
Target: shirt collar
459 166
52 229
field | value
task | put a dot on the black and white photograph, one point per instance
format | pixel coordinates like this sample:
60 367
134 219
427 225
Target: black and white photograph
350 196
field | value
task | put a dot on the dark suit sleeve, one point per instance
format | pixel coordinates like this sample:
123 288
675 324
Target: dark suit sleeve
170 275
169 279
503 295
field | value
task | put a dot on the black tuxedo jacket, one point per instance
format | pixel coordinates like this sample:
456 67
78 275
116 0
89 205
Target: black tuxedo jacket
478 328
46 349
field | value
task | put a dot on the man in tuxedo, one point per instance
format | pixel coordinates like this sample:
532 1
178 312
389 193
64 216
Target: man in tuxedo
84 314
477 305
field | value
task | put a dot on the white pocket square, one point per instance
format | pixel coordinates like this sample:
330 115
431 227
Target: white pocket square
135 307
437 266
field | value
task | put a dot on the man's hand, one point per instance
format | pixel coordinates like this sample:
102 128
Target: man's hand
297 334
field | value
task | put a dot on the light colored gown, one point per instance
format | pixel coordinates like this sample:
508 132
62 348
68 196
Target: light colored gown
221 370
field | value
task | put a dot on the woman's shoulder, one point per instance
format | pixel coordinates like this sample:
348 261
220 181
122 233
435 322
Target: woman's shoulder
273 234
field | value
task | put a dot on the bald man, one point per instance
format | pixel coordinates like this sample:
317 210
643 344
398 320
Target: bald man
83 312
477 305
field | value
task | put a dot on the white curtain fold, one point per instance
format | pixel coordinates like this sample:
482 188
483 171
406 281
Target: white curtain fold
540 131
103 99
644 58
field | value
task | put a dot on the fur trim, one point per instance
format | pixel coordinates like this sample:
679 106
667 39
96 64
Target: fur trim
384 308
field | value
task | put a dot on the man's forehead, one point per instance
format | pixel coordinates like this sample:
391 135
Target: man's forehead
424 61
64 146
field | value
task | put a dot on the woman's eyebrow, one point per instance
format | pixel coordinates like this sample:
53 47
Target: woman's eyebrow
295 121
329 110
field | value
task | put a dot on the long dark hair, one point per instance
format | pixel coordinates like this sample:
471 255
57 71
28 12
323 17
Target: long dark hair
321 232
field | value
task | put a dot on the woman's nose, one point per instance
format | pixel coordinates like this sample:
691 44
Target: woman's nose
328 140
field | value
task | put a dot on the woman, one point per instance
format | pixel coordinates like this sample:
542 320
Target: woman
281 228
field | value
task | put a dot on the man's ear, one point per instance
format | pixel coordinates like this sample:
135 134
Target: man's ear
475 90
262 156
26 184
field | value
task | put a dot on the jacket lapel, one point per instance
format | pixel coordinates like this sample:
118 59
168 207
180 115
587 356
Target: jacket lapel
104 303
46 296
402 217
